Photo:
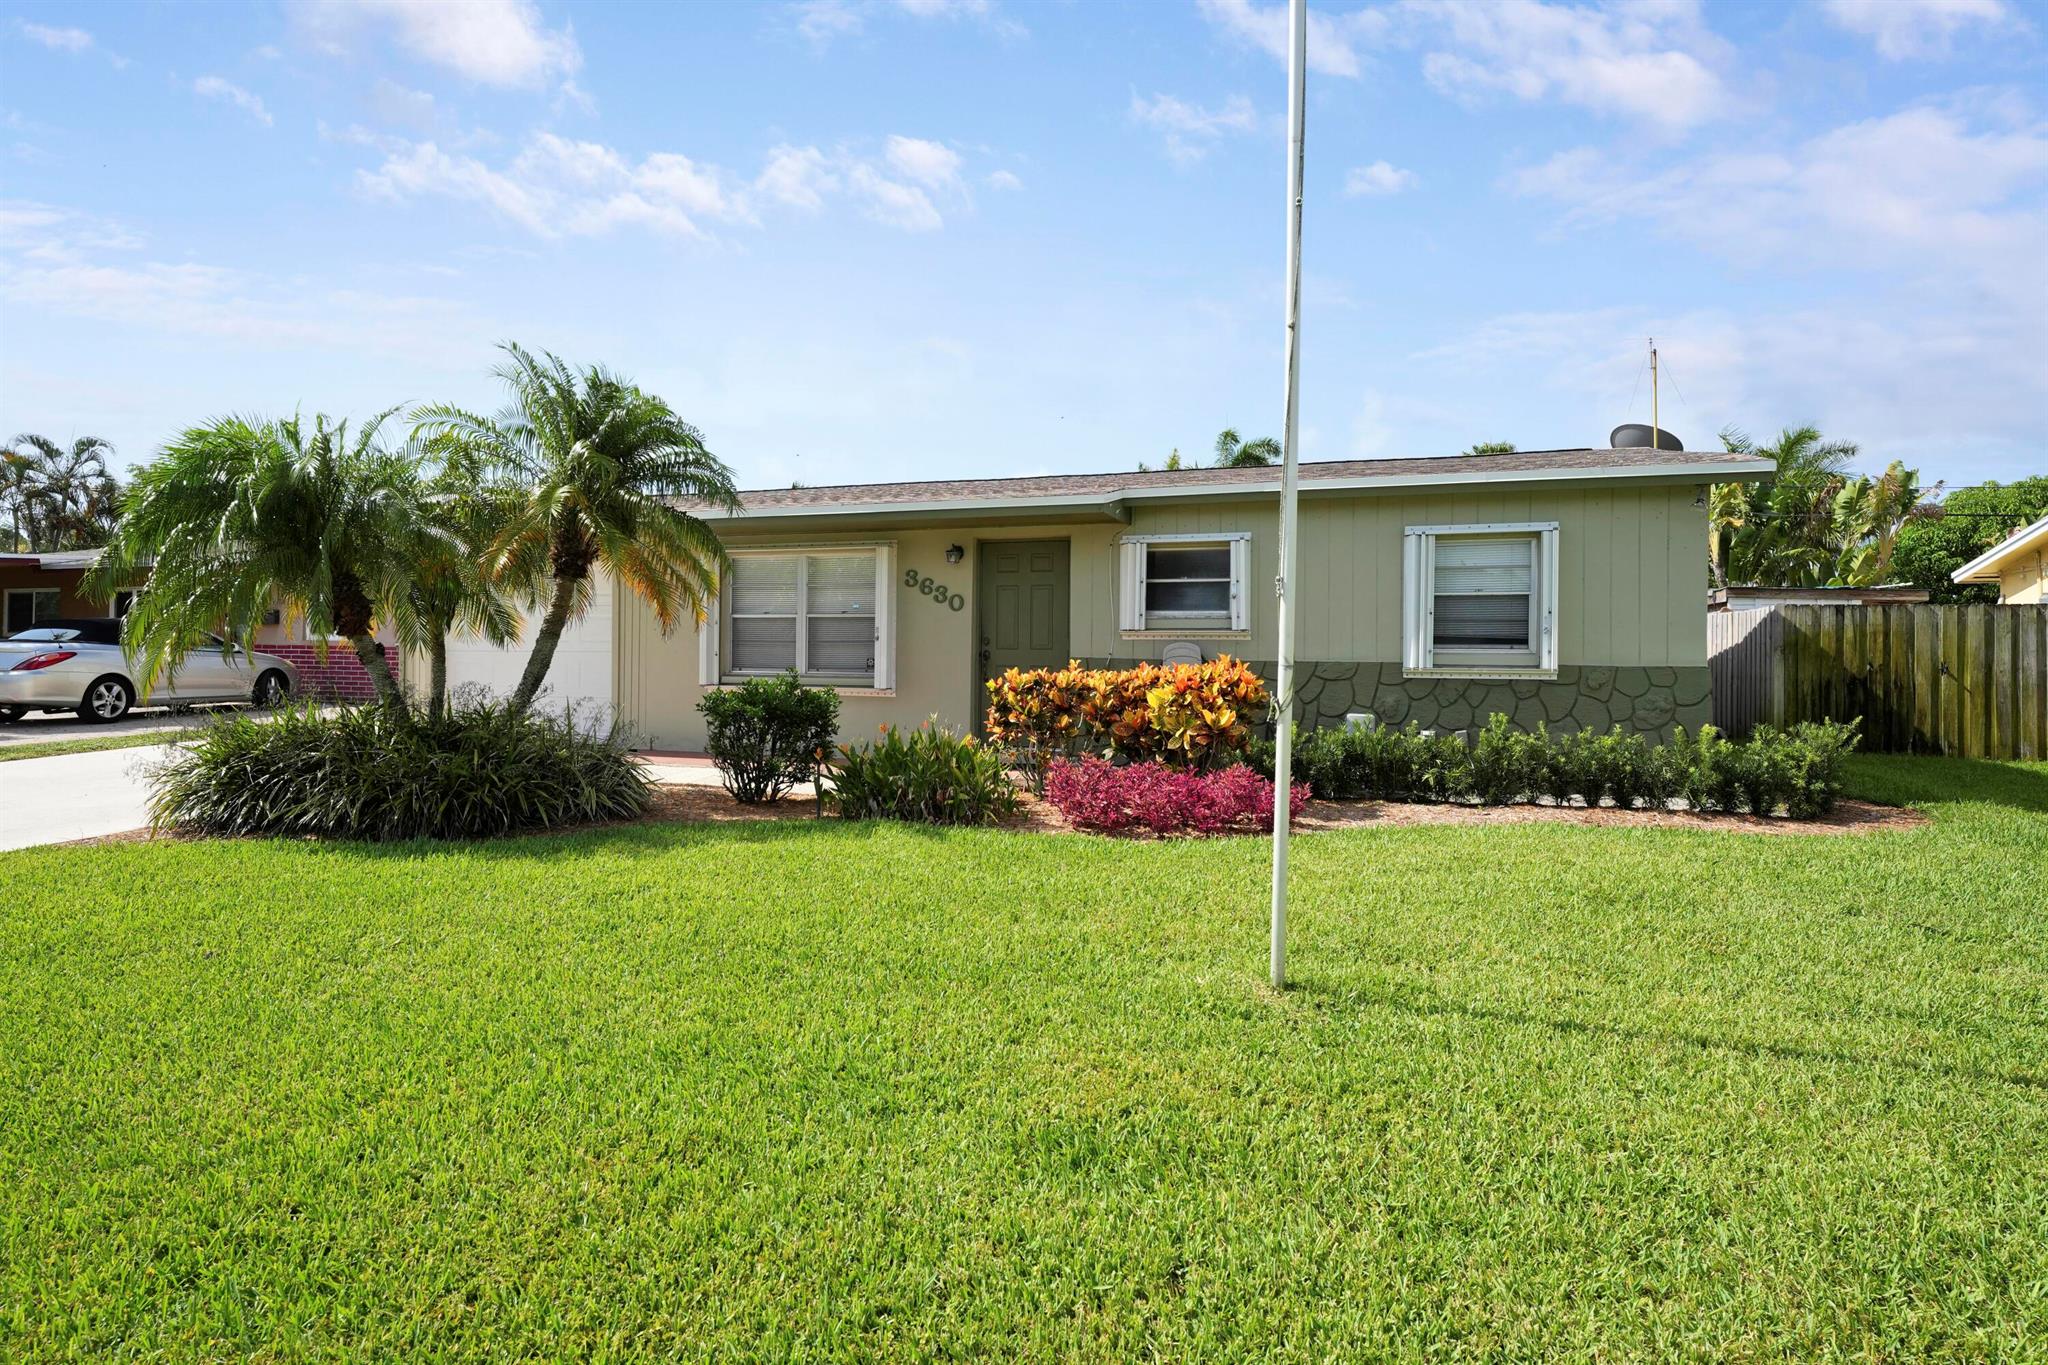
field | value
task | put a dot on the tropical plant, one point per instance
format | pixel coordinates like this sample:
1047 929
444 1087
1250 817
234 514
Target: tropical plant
1192 715
1962 525
1235 453
599 477
769 734
58 497
371 772
929 775
242 514
1095 794
447 587
1490 448
1812 523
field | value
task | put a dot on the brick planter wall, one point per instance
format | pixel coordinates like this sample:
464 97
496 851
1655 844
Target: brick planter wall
341 677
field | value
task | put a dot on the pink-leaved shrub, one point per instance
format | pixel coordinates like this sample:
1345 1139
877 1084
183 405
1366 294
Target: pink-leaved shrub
1095 794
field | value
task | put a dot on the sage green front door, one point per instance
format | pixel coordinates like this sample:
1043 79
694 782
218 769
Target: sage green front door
1024 605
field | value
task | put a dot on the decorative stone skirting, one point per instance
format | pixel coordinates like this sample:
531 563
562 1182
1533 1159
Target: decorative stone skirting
1648 701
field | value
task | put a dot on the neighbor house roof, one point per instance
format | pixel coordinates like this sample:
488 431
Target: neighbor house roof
50 560
1985 567
1105 491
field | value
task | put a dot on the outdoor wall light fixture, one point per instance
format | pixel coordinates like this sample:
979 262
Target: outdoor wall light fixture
954 554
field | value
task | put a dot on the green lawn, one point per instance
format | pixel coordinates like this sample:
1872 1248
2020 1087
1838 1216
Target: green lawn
858 1092
85 744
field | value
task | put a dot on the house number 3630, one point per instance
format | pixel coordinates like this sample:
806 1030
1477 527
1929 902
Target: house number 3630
938 592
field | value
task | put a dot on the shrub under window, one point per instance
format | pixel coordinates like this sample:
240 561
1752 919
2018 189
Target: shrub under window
769 734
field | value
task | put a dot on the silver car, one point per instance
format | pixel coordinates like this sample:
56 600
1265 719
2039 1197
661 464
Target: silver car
79 665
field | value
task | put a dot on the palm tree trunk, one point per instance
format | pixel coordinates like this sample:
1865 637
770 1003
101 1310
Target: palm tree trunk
551 628
437 673
370 651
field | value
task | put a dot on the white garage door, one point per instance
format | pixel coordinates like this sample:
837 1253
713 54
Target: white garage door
582 670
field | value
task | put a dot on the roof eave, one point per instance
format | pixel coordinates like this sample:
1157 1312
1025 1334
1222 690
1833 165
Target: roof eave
1985 567
1111 504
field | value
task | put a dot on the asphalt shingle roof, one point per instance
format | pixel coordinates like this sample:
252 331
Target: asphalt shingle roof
1086 486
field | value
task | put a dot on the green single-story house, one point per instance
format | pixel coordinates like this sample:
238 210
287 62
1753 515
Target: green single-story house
1563 586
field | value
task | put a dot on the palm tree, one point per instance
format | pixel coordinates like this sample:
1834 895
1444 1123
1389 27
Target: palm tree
1231 453
1491 448
242 514
1812 522
597 470
447 588
58 497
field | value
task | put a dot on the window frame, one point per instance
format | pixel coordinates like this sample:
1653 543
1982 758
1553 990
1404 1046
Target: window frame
1420 654
715 630
1134 553
31 593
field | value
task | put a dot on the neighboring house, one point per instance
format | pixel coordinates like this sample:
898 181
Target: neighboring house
2018 565
1741 598
35 587
1554 586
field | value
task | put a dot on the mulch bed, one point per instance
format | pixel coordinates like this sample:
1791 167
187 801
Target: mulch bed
690 805
693 804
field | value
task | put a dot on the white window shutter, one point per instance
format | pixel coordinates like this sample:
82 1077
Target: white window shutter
1240 582
1131 585
1416 553
707 639
885 617
1546 587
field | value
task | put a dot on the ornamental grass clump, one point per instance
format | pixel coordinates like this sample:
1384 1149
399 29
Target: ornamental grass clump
378 772
1095 794
929 775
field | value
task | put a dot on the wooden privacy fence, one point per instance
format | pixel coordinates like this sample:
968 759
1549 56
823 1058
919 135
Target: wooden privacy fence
1971 681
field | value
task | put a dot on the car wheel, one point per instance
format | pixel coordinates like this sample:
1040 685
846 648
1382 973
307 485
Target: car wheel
108 699
11 714
273 689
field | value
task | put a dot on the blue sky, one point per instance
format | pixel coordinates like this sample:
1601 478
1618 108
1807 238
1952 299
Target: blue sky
868 239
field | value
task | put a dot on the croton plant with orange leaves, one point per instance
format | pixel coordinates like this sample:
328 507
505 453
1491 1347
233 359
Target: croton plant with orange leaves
1188 715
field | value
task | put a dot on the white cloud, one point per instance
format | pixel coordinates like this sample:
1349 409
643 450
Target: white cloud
1378 178
1333 41
821 21
1190 129
501 43
393 103
892 202
1002 180
56 39
214 88
1654 59
1914 28
929 163
1649 61
72 264
1920 191
558 187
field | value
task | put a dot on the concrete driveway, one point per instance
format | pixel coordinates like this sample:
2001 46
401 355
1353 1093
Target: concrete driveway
74 796
38 729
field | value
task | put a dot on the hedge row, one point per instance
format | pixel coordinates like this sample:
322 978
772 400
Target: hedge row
1798 771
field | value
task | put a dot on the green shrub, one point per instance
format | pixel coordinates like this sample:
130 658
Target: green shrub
929 774
1572 767
1623 764
1507 763
1706 760
769 734
1443 765
1815 750
378 772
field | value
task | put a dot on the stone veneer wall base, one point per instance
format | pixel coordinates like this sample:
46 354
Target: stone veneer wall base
1648 701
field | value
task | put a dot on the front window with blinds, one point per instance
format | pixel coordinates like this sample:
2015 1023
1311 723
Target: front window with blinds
1484 594
1193 582
814 612
1480 599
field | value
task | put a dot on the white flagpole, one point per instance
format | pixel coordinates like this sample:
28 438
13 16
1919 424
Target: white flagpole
1290 489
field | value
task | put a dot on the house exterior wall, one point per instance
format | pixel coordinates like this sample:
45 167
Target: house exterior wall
72 602
2025 580
1631 613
